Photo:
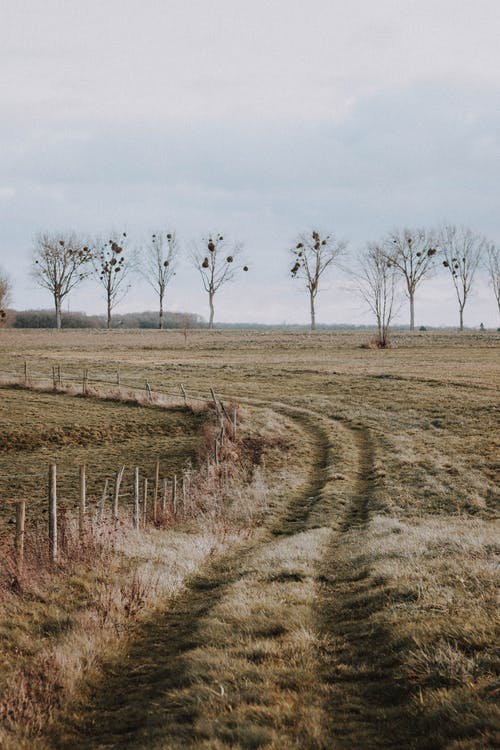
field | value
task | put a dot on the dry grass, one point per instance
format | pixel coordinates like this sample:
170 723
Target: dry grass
424 593
40 428
59 623
342 596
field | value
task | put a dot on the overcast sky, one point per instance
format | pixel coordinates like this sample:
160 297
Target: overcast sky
256 118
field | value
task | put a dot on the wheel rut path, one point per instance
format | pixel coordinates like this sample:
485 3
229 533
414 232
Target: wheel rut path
155 696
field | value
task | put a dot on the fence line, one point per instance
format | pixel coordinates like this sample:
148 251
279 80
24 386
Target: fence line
57 380
178 501
109 509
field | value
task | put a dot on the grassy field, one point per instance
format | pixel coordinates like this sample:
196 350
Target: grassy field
345 598
43 428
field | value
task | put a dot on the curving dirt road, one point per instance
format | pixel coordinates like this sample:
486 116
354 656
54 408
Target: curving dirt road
274 645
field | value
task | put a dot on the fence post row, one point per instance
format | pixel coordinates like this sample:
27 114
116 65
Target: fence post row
57 381
179 502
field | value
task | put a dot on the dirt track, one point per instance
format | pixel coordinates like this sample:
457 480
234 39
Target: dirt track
185 679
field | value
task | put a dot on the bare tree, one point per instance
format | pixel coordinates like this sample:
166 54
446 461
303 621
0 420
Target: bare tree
60 262
313 254
4 296
412 253
493 268
111 269
215 260
377 282
157 265
462 249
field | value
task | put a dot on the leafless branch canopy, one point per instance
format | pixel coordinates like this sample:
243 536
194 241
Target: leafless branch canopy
313 253
377 282
158 260
215 260
412 253
462 250
157 264
111 269
61 261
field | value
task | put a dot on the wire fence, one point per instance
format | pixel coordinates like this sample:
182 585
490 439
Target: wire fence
146 500
106 386
85 384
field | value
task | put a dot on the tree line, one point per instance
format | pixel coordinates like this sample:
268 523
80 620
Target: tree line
400 262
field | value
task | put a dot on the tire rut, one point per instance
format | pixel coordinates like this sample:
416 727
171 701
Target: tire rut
151 699
137 698
357 513
366 695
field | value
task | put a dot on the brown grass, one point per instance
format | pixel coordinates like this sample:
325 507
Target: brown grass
357 608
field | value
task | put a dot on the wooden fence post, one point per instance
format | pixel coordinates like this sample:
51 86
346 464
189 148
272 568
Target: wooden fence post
82 506
145 507
85 384
136 498
25 373
216 403
20 524
184 489
54 380
155 493
53 512
164 496
184 394
118 481
174 494
149 391
59 376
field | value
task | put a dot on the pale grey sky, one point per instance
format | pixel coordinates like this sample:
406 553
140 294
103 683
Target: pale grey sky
258 119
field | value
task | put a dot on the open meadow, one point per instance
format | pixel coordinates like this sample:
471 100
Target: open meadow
328 580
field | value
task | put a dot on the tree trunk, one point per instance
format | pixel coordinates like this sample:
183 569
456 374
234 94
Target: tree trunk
108 325
461 317
57 302
211 303
313 313
412 312
160 320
